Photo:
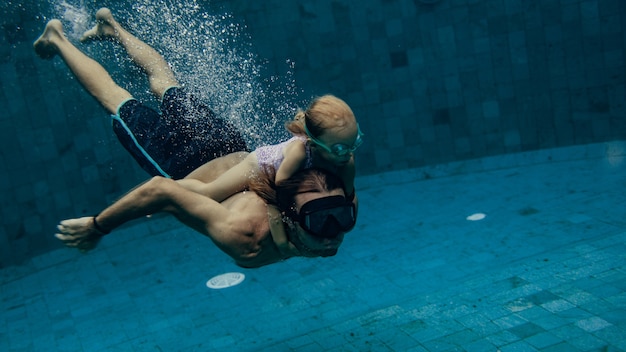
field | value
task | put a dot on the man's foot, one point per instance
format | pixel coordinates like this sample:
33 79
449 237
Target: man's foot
79 233
45 45
106 27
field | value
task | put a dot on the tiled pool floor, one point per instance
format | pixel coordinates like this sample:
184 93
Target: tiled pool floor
544 270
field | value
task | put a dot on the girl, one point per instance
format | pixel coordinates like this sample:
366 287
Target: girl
325 136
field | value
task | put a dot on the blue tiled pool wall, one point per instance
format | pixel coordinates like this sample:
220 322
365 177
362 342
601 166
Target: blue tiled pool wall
430 84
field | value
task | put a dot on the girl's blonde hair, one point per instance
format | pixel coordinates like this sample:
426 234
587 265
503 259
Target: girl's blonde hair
324 112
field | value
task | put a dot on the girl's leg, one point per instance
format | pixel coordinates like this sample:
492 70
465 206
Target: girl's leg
159 73
89 73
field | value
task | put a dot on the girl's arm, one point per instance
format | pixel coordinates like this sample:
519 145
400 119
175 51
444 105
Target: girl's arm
347 174
294 154
234 180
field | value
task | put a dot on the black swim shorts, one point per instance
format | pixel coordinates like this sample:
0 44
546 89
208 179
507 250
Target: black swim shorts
185 135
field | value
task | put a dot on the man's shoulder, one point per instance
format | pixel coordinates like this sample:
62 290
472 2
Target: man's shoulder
248 204
249 196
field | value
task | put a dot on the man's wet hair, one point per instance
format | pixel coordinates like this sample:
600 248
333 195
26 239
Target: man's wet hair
283 194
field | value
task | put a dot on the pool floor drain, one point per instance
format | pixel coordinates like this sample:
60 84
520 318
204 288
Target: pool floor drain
225 280
476 217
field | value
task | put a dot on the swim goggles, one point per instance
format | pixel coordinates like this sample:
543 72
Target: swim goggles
337 149
327 217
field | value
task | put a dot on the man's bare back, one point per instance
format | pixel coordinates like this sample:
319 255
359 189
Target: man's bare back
254 246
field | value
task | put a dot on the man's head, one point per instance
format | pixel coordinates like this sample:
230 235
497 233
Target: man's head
317 212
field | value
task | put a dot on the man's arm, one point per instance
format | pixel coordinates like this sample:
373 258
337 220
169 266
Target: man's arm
158 194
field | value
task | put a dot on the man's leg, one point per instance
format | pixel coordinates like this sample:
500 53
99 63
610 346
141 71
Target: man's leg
159 73
89 73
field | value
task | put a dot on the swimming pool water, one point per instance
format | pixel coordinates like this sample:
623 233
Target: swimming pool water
464 105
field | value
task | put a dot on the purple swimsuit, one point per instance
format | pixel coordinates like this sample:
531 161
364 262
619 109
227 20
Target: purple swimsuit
270 157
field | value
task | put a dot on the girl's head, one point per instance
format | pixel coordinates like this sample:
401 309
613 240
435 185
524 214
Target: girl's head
331 126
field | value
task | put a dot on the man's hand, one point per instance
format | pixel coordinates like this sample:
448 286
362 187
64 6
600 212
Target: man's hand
79 233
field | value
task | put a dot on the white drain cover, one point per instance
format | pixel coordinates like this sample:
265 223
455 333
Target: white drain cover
225 280
476 217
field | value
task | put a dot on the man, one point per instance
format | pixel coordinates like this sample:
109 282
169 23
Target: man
244 226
